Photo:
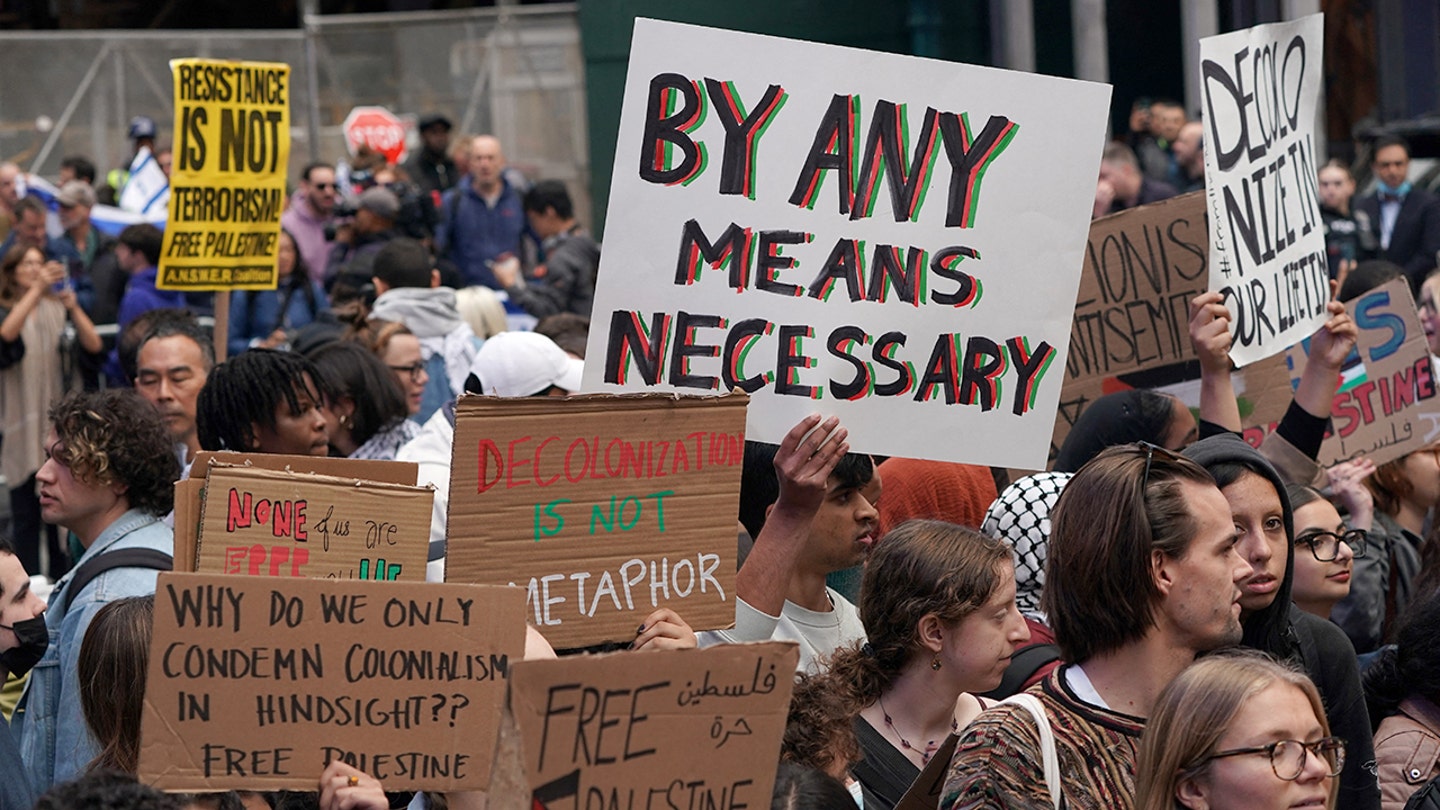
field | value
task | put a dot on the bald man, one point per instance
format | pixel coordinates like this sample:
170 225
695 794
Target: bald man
1189 152
9 195
482 219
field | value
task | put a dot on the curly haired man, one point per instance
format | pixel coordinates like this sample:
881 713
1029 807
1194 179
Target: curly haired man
107 479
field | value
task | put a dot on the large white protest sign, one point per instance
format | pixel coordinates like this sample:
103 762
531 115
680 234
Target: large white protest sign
1261 92
891 239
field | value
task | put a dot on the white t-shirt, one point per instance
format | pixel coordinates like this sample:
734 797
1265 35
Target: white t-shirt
818 633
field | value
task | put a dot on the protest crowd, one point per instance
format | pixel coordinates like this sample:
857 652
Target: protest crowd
1173 616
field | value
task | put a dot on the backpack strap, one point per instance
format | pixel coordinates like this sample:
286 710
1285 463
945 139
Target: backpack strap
1050 762
110 560
1023 665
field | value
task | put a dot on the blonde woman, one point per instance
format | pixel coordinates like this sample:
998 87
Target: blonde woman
1238 731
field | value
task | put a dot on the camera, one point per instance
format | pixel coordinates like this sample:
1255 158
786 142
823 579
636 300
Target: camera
73 268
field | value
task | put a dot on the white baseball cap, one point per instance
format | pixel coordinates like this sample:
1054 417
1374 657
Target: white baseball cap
523 364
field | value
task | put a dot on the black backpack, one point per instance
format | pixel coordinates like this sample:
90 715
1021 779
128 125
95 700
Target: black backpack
1427 797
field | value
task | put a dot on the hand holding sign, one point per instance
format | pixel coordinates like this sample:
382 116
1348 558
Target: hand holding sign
1347 487
1334 341
1210 332
623 730
343 787
1330 347
664 630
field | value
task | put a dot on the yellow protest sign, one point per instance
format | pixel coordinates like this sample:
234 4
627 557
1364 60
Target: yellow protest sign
227 186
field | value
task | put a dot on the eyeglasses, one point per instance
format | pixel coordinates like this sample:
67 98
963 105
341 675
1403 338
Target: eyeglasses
416 371
1288 757
1326 545
324 186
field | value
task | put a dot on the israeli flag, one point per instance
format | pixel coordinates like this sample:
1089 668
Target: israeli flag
107 219
148 189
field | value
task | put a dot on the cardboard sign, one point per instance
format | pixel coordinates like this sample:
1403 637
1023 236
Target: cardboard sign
232 149
388 472
189 492
1142 268
851 232
603 507
1261 89
1386 405
683 728
1131 329
924 793
264 522
257 683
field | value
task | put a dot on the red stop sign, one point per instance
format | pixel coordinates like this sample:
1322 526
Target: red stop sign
377 128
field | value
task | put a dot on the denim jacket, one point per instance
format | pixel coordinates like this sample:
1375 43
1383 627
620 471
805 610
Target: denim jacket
55 743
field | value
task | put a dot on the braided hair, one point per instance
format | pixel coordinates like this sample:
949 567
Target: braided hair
246 390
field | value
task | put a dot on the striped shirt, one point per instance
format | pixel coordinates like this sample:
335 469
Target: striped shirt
997 763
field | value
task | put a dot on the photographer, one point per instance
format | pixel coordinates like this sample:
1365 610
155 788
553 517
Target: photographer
357 241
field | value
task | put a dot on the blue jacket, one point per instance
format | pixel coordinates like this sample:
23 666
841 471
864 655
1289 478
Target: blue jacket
254 314
141 297
15 792
472 234
55 743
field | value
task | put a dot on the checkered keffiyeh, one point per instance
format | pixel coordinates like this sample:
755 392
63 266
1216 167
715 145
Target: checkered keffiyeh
1021 517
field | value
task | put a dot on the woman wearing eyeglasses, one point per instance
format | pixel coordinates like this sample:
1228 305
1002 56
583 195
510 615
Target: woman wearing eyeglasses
1238 731
399 349
1325 552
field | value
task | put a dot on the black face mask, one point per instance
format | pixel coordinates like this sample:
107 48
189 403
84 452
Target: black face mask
34 639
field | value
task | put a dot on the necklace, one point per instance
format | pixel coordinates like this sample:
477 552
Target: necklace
930 746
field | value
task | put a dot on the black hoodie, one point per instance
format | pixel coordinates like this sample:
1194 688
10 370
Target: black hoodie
1292 635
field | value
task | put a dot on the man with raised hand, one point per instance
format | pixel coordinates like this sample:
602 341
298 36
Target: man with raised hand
810 505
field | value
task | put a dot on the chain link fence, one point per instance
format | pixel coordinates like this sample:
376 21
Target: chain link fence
515 72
